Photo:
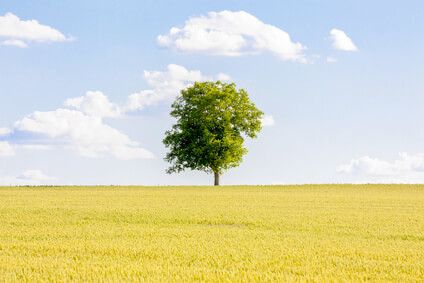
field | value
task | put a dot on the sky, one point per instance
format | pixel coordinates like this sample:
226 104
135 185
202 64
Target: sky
86 88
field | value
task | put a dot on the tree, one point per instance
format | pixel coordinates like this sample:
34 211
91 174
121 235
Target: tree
212 120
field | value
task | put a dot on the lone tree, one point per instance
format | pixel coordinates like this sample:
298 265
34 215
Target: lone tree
212 120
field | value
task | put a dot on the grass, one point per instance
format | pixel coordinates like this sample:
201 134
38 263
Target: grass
233 234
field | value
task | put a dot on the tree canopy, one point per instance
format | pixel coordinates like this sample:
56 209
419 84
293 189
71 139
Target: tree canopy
213 118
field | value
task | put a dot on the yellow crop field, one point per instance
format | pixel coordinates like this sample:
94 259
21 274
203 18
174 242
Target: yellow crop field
228 234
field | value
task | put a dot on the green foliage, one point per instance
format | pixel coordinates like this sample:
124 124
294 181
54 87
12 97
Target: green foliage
325 233
212 120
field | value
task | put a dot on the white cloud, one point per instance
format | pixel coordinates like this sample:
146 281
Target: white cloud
19 33
14 43
166 85
88 135
230 33
331 60
94 103
341 41
80 125
267 120
6 149
34 175
407 168
5 132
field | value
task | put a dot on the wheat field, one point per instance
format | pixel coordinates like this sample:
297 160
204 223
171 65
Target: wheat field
226 234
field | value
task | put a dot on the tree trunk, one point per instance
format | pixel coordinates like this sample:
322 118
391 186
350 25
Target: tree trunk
216 175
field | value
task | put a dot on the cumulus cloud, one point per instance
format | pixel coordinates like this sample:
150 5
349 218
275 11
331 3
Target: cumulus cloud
163 86
341 41
406 168
229 33
18 33
6 149
94 103
15 43
86 134
166 85
267 120
80 123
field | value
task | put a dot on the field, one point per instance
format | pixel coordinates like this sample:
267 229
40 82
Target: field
234 234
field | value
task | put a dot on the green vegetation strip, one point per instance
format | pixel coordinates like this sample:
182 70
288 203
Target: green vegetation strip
234 234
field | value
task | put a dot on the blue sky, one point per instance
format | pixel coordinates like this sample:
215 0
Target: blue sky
357 119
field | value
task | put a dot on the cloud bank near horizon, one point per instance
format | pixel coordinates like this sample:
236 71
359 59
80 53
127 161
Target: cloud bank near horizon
407 168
